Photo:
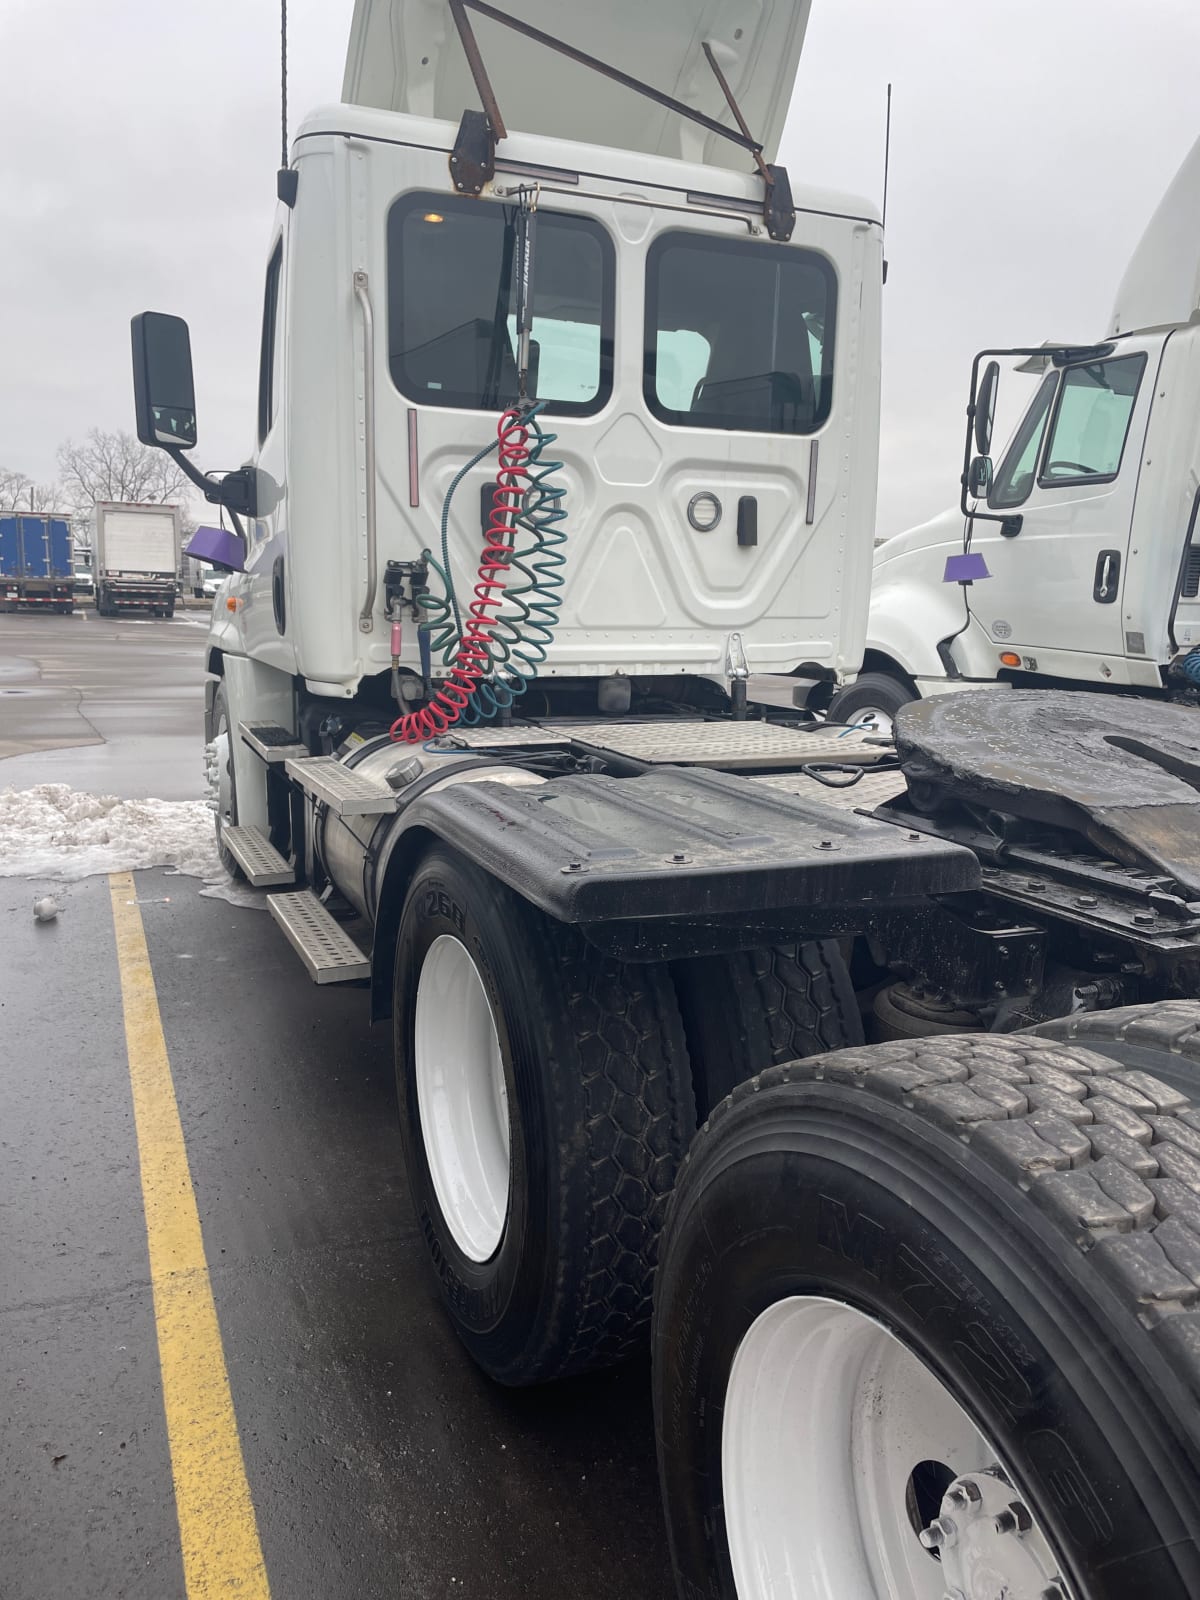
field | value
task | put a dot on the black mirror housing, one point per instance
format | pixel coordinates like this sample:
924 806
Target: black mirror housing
979 478
164 394
985 408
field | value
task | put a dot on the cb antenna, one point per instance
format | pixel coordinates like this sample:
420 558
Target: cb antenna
887 159
285 179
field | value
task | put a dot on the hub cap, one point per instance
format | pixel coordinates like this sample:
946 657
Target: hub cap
849 1469
462 1098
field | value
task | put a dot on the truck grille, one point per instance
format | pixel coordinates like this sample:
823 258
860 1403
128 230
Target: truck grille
1191 573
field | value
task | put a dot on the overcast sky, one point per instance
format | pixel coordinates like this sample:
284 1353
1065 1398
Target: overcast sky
139 142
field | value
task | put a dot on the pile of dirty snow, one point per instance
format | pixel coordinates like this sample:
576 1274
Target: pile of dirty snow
54 831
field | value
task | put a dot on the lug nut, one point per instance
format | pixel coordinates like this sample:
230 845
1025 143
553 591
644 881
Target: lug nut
1013 1519
963 1494
941 1531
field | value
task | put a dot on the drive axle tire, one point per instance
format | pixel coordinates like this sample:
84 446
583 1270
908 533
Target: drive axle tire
745 1012
942 1287
871 692
545 1107
1163 1038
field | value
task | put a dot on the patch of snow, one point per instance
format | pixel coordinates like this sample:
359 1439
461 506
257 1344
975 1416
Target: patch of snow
54 831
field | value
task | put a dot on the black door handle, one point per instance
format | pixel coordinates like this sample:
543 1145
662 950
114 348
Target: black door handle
1108 574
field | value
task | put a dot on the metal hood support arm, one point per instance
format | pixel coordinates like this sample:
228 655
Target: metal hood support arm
471 166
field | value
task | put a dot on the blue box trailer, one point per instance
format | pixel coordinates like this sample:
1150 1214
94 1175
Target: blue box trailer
36 561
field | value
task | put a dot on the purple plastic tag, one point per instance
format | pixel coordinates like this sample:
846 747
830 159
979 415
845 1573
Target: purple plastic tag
965 568
222 548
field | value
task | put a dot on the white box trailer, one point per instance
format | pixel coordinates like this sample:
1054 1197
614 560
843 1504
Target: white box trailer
136 557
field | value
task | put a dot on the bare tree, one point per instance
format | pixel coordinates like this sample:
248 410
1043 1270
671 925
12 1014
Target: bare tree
18 492
116 466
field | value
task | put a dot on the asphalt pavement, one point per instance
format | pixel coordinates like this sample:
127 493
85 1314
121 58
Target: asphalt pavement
379 1462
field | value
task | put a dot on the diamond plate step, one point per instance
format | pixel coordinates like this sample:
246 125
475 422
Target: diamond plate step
341 788
328 952
270 741
871 790
721 745
257 857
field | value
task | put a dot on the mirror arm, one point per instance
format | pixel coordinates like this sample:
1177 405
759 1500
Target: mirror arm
235 491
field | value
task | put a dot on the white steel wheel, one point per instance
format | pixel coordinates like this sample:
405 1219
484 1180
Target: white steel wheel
462 1098
850 1472
874 719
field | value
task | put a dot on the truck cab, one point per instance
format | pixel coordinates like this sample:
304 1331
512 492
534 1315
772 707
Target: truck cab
1086 572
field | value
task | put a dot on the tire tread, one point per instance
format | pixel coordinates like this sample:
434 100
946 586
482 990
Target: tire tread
1115 1176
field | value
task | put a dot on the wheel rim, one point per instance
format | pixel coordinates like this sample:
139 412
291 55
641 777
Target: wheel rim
848 1468
462 1098
875 719
223 774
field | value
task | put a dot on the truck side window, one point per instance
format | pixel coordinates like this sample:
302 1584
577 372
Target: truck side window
1091 421
738 335
269 358
452 306
1014 481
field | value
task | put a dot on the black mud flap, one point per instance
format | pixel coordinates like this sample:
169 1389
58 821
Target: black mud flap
682 861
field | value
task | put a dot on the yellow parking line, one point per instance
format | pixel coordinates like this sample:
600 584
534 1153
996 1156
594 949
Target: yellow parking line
217 1528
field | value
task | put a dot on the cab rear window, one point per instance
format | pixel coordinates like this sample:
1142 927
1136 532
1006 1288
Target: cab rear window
738 335
452 306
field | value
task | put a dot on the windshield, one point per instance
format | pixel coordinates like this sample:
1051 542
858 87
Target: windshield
1015 478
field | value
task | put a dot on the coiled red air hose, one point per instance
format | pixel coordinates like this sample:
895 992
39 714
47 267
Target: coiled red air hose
471 659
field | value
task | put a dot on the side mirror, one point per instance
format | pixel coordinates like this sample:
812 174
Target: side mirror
164 395
985 408
979 478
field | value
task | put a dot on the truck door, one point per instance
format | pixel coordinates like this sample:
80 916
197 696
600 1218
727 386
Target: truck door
61 563
35 550
10 548
1071 474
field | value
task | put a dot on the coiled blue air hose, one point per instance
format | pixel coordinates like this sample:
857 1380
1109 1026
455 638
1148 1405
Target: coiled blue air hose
525 628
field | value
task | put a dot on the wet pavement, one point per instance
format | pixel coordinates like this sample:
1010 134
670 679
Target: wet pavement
380 1463
112 705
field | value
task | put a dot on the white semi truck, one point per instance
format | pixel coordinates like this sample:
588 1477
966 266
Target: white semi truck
567 423
136 555
1086 534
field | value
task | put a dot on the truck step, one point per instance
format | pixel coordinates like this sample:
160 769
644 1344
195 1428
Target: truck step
341 788
271 742
257 857
329 953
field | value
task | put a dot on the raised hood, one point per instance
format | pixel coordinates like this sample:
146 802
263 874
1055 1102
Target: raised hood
405 55
1161 286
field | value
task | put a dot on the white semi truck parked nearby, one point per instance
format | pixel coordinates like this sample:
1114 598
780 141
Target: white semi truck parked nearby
567 423
1087 530
136 557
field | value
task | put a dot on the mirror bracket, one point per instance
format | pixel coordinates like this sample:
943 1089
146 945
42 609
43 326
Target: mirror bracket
235 491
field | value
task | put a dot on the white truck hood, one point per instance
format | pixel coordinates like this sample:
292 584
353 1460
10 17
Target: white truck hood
405 55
